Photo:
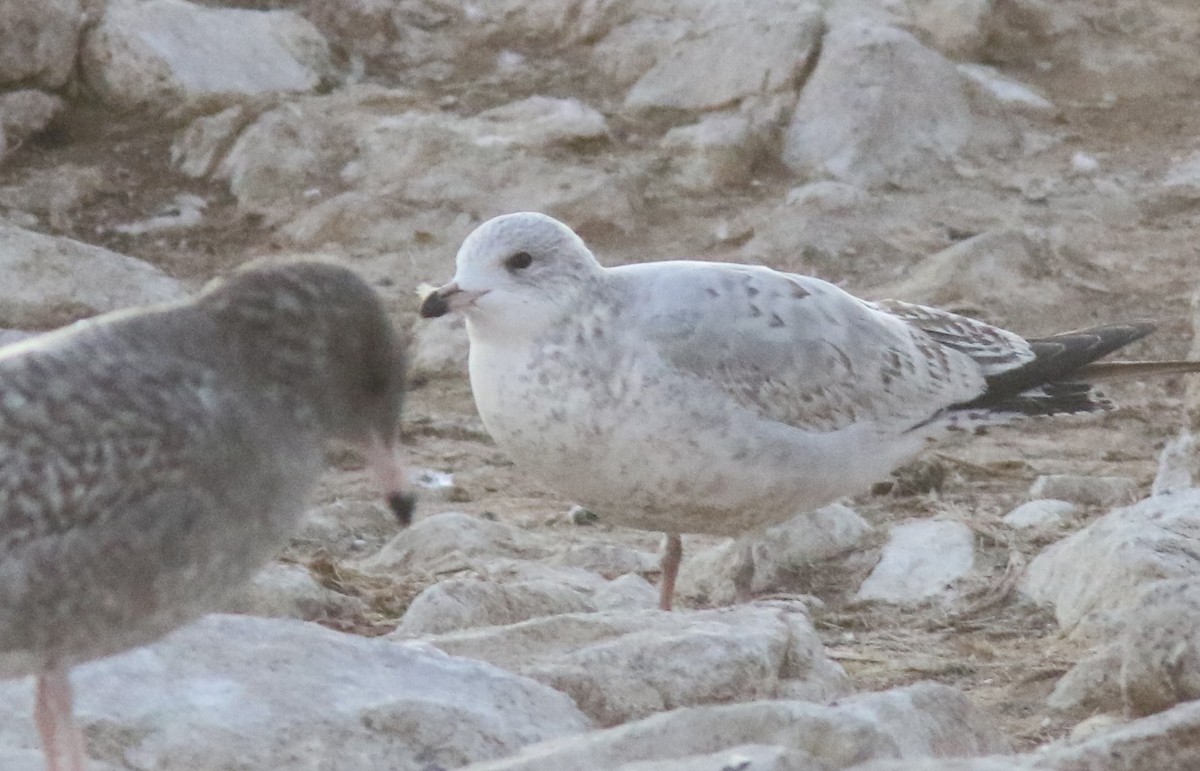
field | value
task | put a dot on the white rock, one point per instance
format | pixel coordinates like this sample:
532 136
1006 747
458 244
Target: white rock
746 757
349 528
1085 490
627 592
440 348
38 40
776 556
1091 686
1084 164
235 692
453 541
953 27
607 559
1175 465
921 560
1177 191
160 53
540 121
285 590
48 281
1151 664
1006 92
1044 513
387 156
878 109
718 152
622 665
920 720
1107 564
200 147
827 196
728 53
464 603
1169 740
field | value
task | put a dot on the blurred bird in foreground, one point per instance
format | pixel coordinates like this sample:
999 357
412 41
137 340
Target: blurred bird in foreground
152 460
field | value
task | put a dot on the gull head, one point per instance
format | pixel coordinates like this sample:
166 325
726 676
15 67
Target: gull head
516 273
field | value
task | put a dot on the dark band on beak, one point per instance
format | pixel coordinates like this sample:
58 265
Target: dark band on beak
434 306
402 505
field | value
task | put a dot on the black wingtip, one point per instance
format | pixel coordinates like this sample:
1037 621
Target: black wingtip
1055 381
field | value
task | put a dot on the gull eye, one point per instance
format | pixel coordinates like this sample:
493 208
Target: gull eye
519 261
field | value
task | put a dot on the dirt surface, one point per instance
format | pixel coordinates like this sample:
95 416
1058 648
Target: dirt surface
1122 263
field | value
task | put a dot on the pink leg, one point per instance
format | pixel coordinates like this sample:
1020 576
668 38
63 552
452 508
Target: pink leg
672 554
61 739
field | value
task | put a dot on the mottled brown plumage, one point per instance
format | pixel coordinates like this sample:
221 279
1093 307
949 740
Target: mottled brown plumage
153 460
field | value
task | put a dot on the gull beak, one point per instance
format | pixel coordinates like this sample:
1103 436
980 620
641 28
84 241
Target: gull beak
389 475
448 299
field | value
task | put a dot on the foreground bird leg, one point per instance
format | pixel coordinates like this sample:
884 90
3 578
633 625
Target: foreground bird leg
672 555
61 739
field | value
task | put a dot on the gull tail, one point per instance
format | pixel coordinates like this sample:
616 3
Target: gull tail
1058 380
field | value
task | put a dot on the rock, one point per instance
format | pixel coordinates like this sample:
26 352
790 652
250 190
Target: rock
956 28
718 152
729 53
1005 271
158 54
452 541
540 121
200 147
608 559
827 196
1175 465
1160 647
440 348
879 109
1086 490
347 528
51 281
362 157
1092 686
1083 164
1107 564
8 336
623 665
1044 514
57 192
1005 92
1168 740
287 590
235 692
23 114
38 40
746 757
775 559
912 722
921 561
627 592
1177 191
1016 763
464 603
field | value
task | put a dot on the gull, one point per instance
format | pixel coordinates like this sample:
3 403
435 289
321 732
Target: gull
685 396
153 460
